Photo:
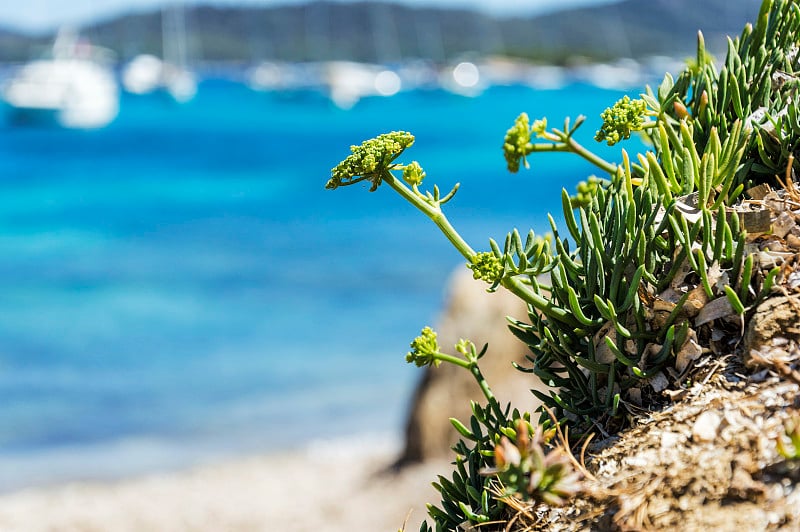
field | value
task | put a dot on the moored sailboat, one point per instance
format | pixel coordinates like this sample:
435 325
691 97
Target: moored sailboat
72 87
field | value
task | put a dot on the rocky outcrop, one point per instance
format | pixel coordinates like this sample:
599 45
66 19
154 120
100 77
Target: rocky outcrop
445 391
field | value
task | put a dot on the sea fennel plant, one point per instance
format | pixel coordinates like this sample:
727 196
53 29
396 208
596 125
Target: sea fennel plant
623 293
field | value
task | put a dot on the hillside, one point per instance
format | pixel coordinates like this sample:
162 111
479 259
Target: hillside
371 31
636 28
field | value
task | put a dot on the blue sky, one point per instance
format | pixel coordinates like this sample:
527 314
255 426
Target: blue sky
41 15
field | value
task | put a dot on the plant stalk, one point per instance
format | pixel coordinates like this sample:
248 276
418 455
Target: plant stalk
434 213
513 284
568 144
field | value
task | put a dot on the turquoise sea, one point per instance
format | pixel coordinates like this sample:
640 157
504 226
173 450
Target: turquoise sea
179 286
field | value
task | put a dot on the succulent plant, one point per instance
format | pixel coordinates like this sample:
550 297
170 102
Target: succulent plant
616 297
527 469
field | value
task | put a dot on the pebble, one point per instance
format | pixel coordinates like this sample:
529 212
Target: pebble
793 241
706 426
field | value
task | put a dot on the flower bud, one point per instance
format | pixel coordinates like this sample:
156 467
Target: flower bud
523 437
680 110
413 174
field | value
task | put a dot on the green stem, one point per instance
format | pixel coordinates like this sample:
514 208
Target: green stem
569 144
601 163
487 392
434 213
458 361
518 287
472 366
471 363
554 146
513 284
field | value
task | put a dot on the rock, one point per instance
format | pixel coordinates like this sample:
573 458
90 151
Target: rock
688 353
775 317
444 392
706 426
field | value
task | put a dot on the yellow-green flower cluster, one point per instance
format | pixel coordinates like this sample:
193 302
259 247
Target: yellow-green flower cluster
585 191
515 144
413 174
486 266
620 120
424 349
370 159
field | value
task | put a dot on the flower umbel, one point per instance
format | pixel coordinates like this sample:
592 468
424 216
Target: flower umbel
486 266
424 349
370 160
517 140
585 191
620 120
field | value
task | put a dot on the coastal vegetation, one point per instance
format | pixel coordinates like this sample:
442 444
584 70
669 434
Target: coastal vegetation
665 259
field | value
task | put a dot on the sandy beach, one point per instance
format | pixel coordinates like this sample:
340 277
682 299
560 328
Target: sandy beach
320 488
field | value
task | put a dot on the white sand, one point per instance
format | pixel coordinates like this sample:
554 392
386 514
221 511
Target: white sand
318 489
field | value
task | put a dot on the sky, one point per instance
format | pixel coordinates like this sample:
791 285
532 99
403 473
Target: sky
45 15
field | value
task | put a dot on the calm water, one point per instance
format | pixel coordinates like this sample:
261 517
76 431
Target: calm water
179 286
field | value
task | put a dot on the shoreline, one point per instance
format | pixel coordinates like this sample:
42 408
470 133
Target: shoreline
329 486
140 456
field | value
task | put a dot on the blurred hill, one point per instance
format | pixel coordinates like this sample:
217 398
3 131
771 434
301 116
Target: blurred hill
384 32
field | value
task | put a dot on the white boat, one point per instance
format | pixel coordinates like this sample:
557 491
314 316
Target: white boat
147 73
178 80
277 76
74 87
142 75
623 73
348 82
464 79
